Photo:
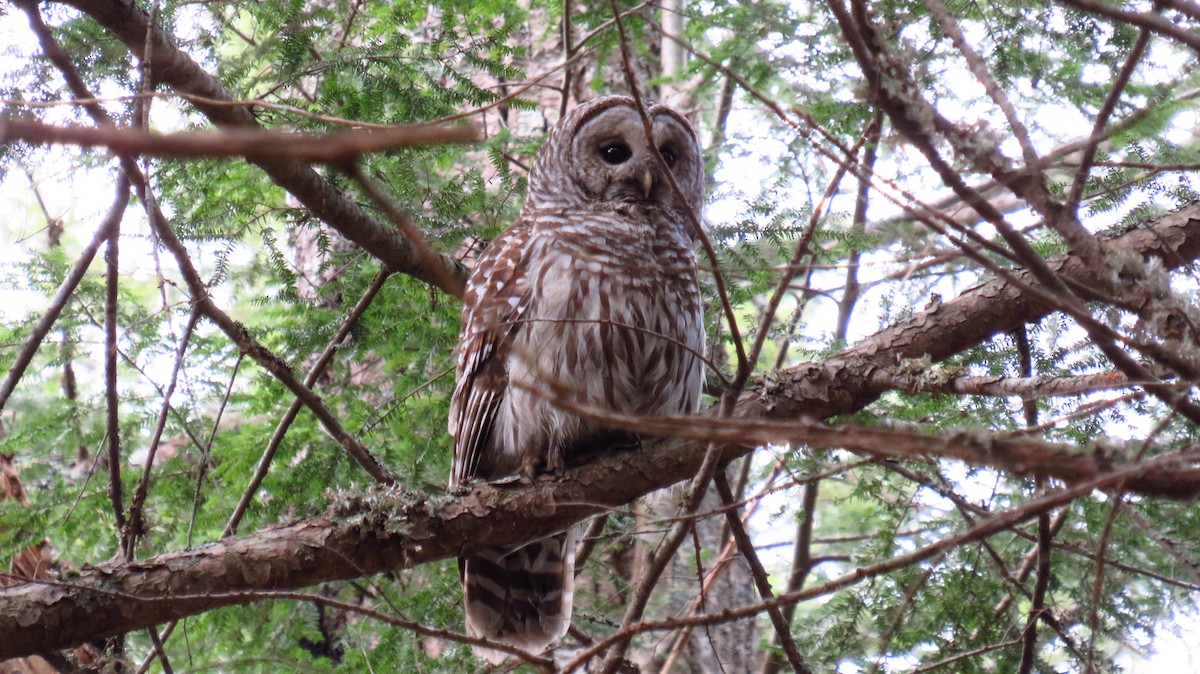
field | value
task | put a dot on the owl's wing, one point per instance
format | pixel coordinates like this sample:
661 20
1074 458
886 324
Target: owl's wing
497 297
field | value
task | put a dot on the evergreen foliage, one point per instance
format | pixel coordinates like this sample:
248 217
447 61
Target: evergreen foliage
1122 565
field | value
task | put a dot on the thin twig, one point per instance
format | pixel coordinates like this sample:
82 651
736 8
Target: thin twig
967 654
852 288
1037 606
1098 585
803 249
802 564
112 398
980 70
310 379
1088 155
402 221
206 453
63 295
783 630
143 488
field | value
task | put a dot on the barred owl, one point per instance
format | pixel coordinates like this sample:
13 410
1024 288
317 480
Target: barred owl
592 295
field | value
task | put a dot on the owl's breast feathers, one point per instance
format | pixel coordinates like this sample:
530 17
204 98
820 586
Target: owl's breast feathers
616 318
599 307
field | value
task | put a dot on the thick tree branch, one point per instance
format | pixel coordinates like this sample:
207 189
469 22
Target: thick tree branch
1028 388
361 535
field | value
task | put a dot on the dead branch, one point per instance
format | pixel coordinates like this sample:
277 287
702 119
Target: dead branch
253 144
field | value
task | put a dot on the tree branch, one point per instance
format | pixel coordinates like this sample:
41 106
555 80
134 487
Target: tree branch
253 144
359 535
129 23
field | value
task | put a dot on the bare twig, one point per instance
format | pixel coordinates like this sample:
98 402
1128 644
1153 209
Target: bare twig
802 564
143 488
852 288
783 629
310 380
253 144
982 650
1088 155
112 399
206 453
1037 607
980 70
402 221
1098 585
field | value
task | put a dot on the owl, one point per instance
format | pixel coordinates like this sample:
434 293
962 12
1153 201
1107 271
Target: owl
591 296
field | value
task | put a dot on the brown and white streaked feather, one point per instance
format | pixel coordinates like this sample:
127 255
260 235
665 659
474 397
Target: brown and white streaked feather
594 291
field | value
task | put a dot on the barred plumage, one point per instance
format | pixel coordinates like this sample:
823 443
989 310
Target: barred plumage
591 294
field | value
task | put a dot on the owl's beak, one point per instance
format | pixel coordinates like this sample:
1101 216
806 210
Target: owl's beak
647 182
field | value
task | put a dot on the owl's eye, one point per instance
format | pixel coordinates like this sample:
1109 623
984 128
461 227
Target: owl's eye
615 153
668 156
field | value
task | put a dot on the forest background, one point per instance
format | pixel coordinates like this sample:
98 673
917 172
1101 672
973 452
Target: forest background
952 293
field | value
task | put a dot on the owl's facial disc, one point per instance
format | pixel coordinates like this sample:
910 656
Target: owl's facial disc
613 160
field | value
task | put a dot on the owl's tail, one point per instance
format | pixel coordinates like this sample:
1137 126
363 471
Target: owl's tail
521 596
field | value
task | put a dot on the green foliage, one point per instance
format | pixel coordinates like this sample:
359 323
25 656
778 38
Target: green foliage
292 281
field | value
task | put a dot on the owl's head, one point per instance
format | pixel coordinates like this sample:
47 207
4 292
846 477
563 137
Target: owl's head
600 153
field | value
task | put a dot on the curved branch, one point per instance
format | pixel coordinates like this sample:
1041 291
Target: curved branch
361 535
129 23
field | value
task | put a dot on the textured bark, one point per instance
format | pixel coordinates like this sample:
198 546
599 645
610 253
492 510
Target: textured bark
36 561
362 535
